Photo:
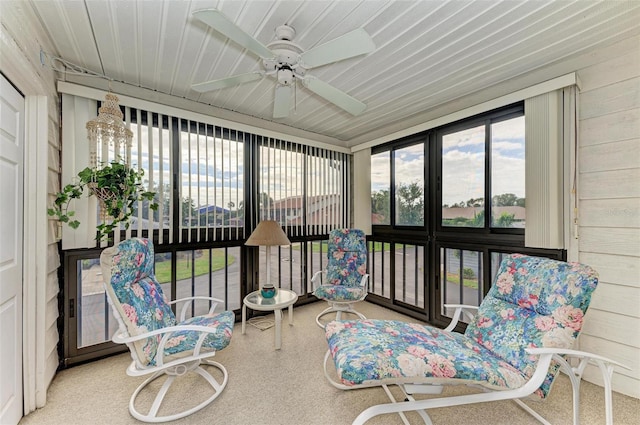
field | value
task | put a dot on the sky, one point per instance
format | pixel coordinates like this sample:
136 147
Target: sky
221 182
212 171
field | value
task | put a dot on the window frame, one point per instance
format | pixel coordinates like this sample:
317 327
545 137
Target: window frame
486 119
392 148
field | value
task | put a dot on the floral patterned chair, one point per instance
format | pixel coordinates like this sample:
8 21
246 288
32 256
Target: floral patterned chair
518 339
344 282
160 344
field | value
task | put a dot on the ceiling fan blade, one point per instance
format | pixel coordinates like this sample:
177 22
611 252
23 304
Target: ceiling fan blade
282 101
354 43
335 96
223 83
216 20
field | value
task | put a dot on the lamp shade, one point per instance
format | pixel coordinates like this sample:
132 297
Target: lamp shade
268 233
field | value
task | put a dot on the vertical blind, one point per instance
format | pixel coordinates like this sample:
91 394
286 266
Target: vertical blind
212 182
305 189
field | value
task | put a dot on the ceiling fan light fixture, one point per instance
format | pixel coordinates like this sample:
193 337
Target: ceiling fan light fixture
285 76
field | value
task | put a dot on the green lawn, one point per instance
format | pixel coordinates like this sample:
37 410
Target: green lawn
201 266
455 279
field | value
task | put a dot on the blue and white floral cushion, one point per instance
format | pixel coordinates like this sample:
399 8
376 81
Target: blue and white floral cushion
139 299
346 265
534 302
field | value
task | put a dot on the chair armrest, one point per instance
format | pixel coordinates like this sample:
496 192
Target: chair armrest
185 306
123 338
317 279
605 365
468 311
584 358
364 283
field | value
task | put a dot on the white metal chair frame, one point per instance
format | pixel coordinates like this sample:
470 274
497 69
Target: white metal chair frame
173 368
546 356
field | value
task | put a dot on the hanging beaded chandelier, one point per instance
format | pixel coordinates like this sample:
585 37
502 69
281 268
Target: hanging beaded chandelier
108 129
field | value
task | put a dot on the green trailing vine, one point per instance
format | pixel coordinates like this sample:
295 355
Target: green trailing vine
118 188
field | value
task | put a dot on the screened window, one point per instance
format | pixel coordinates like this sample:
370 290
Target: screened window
484 161
305 189
463 165
409 185
508 173
397 185
380 185
211 178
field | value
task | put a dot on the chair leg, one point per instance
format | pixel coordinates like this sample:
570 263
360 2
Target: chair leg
338 308
172 374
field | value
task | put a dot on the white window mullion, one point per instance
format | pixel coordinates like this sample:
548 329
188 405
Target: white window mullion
150 162
238 179
287 200
216 143
347 197
314 188
335 202
280 182
198 183
222 183
190 198
171 171
160 189
139 164
127 159
269 165
298 198
325 185
181 217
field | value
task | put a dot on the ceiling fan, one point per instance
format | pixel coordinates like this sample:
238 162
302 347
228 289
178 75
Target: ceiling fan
286 62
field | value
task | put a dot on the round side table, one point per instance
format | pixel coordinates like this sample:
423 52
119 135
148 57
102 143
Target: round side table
283 298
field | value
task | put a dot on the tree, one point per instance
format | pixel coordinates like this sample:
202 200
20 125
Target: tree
507 200
380 205
410 204
478 219
188 210
505 220
475 202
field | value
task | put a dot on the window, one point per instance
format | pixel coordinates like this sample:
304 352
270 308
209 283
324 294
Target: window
397 184
457 199
409 185
463 165
508 173
380 188
484 161
211 190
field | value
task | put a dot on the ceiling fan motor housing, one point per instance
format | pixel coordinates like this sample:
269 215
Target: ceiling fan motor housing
286 62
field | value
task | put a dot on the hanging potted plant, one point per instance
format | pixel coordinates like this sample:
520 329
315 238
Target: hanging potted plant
117 187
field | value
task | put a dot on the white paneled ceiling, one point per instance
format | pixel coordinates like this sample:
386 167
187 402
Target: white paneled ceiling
428 54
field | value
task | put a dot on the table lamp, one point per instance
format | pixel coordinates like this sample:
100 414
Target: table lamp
268 233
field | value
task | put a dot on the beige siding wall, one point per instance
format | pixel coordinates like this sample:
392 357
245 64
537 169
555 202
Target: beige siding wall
609 210
20 43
